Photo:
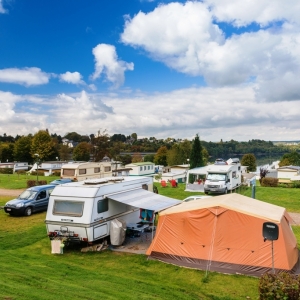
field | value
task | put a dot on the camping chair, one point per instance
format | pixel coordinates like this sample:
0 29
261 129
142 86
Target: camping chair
163 183
173 183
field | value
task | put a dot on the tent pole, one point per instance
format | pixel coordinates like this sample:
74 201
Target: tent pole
273 258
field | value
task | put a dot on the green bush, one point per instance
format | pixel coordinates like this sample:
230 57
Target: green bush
270 182
6 170
296 184
21 172
40 173
56 173
282 286
31 183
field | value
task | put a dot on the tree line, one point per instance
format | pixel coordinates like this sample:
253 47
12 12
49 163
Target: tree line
95 147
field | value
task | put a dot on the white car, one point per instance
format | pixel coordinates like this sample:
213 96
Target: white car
195 197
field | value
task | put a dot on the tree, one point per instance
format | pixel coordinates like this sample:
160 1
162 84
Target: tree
6 152
262 173
160 157
42 144
82 151
290 159
134 136
22 149
100 145
64 152
149 157
196 158
137 157
73 136
249 160
125 159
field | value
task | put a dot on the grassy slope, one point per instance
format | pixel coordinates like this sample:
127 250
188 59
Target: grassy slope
30 271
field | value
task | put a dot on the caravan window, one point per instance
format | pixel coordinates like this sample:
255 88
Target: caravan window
82 171
96 170
107 169
68 208
102 206
69 172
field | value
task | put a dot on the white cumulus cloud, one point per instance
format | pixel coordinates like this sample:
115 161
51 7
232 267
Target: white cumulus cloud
25 76
2 10
71 77
185 37
107 63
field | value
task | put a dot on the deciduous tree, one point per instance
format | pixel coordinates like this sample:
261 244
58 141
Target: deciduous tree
22 149
42 144
160 157
249 160
82 151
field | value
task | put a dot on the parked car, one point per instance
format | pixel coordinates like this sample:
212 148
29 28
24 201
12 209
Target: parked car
31 200
195 197
61 181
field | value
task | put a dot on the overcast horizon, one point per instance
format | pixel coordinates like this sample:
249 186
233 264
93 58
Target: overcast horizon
218 68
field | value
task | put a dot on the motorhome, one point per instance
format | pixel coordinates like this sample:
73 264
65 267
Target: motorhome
223 176
78 171
82 211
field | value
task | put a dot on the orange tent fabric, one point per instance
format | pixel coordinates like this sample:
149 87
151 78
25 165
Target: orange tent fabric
224 234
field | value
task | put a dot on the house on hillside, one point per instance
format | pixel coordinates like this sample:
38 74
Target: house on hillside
141 169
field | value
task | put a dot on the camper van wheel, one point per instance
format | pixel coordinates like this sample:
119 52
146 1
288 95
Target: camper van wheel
28 211
225 192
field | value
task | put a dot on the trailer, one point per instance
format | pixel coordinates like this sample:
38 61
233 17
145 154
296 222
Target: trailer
82 211
78 171
223 176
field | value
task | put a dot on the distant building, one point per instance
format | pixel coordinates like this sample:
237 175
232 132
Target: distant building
16 166
141 169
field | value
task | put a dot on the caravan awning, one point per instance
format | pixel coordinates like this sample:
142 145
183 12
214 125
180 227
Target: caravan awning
144 199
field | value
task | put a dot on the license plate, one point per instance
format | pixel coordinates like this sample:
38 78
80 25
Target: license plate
213 190
8 209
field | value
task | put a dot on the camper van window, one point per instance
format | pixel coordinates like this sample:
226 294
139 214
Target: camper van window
107 169
96 170
102 206
141 168
215 176
68 208
234 174
82 171
69 172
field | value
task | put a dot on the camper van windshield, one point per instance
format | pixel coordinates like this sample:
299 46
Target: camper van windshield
68 208
216 176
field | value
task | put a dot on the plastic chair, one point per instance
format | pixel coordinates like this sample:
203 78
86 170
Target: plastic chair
163 183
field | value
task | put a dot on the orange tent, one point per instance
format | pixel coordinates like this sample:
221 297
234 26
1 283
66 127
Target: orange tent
224 234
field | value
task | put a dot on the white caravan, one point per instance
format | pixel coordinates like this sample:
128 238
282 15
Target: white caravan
223 176
82 211
79 171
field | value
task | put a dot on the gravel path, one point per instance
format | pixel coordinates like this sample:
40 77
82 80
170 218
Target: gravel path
14 193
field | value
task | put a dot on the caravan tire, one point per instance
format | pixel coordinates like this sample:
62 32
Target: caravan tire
28 211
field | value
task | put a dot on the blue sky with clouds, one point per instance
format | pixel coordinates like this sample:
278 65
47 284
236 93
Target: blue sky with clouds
225 69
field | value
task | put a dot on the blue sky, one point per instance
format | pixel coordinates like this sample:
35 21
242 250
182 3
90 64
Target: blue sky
222 69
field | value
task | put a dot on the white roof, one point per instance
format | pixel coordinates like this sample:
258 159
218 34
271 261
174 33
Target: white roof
236 202
145 199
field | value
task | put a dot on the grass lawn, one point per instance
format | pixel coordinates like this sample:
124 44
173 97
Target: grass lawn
30 271
15 181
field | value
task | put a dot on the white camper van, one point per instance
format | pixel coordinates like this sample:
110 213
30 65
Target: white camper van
82 211
223 176
79 171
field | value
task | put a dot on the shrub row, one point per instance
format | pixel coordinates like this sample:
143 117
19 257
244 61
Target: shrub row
279 286
270 182
6 170
31 183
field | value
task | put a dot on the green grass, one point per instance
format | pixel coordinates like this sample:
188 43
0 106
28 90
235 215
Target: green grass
15 181
30 271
